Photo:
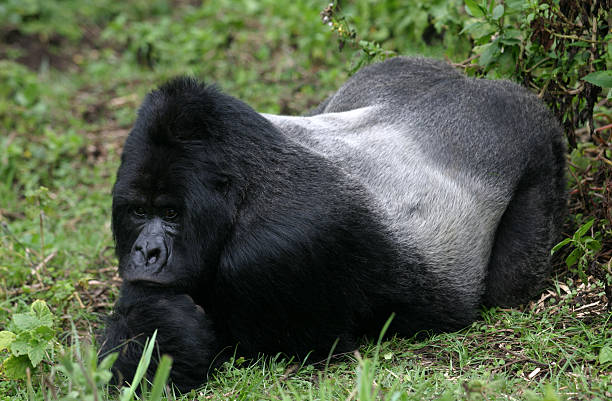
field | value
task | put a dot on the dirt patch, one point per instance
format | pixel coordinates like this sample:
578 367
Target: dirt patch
33 52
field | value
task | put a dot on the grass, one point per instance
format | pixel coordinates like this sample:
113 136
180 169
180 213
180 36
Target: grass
70 84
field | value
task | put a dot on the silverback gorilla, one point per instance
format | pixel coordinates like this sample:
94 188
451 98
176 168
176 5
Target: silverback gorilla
412 190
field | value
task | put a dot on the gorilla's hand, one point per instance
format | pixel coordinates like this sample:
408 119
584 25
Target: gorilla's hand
183 331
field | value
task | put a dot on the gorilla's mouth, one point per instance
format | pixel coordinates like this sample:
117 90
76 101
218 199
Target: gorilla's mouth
159 277
149 283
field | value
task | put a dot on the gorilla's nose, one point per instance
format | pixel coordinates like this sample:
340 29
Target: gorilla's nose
150 253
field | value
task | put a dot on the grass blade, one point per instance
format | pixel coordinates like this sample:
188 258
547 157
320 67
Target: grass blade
161 377
143 365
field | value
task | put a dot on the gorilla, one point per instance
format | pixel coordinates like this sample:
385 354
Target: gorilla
413 191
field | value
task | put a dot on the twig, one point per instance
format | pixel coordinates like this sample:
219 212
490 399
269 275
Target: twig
39 266
41 217
572 37
351 395
465 63
578 182
538 363
536 65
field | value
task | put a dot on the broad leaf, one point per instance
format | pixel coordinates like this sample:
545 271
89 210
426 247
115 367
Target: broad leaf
14 367
573 257
6 338
600 78
37 353
560 245
44 333
583 229
42 312
605 354
25 321
473 9
469 28
489 52
108 361
592 244
498 12
21 345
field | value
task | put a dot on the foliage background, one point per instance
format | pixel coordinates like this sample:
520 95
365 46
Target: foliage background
72 74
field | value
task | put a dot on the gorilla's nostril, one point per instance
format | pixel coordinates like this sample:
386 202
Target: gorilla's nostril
153 256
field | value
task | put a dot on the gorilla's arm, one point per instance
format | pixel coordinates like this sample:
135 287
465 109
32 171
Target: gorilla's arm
183 331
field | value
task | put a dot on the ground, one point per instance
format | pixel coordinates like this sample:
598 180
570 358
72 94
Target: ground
69 90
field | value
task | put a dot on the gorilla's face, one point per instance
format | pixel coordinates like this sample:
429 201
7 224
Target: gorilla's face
184 173
172 211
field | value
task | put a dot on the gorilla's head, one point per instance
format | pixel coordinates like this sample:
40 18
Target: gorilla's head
181 183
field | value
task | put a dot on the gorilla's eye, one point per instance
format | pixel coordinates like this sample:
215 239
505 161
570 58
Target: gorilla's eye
170 214
221 184
139 211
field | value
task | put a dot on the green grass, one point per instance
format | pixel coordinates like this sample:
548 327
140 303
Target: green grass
70 84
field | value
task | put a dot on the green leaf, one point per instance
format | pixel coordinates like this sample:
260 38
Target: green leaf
37 353
108 361
514 6
560 245
600 78
513 33
42 312
592 244
469 28
605 354
141 369
25 321
161 377
473 9
21 345
573 257
498 12
579 44
491 5
14 367
44 333
583 229
67 367
509 42
488 54
6 338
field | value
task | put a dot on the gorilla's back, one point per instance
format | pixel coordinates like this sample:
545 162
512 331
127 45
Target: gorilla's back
426 206
439 155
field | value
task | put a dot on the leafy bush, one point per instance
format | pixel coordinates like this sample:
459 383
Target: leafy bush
561 49
21 108
584 248
30 337
214 27
68 18
380 29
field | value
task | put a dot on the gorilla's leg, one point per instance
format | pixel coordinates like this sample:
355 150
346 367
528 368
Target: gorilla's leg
520 259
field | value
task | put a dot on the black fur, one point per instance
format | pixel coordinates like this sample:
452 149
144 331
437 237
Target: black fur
412 190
